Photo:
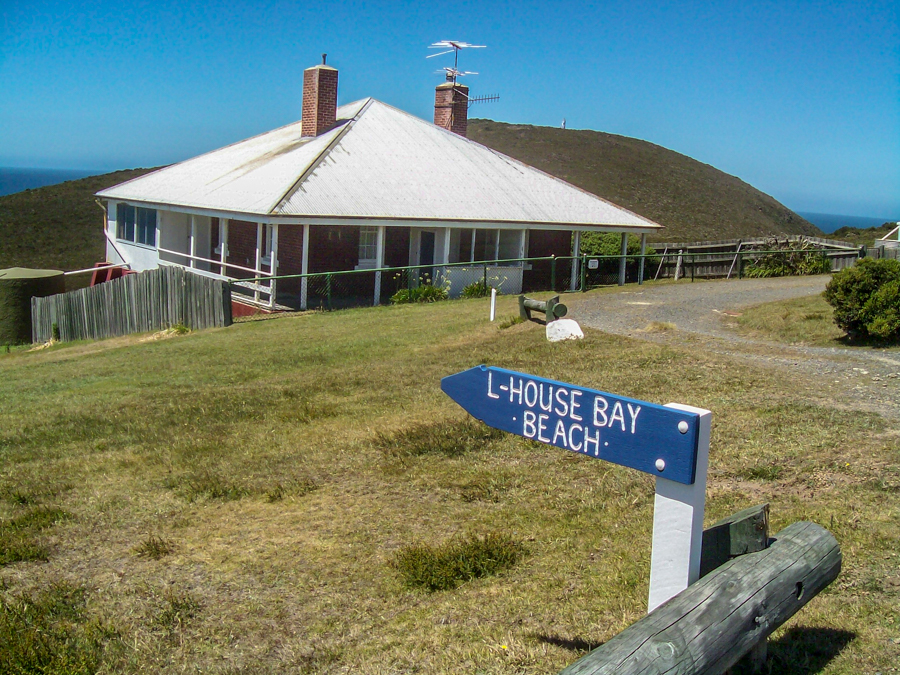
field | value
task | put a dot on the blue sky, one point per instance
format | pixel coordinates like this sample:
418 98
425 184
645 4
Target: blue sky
800 99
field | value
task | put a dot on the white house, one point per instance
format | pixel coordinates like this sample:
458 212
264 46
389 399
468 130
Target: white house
361 186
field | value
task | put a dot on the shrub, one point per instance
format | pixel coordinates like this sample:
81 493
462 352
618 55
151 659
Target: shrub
865 299
610 244
786 259
421 293
439 568
477 289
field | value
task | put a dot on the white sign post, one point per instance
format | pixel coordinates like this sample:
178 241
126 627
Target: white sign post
678 523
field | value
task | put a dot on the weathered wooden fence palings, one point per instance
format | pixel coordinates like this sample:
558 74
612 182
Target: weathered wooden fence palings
136 303
713 623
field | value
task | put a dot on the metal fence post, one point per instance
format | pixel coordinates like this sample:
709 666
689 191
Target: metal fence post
553 273
485 277
583 274
740 257
693 260
328 290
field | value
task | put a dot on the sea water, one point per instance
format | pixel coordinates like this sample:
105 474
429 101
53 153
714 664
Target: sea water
829 222
15 180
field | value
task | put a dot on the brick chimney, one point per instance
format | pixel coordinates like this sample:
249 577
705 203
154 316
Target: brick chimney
451 107
319 99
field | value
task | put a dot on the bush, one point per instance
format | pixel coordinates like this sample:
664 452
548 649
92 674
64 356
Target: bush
610 244
477 289
788 259
866 299
421 293
440 568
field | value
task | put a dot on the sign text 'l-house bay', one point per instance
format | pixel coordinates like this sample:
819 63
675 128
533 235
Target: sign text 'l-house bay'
658 440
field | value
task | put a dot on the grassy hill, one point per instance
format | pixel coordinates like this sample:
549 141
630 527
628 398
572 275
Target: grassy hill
695 201
865 235
58 226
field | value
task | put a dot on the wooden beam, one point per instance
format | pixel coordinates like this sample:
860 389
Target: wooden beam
744 532
708 627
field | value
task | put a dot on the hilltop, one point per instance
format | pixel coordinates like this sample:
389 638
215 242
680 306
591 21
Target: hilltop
61 227
695 201
865 235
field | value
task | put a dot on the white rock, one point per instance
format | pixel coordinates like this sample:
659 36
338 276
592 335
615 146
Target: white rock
564 329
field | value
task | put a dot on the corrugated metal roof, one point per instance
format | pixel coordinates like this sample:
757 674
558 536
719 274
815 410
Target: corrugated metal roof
378 162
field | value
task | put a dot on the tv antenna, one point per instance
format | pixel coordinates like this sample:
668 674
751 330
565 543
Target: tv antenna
453 46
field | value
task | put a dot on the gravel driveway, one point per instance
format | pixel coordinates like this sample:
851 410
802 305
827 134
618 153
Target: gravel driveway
870 378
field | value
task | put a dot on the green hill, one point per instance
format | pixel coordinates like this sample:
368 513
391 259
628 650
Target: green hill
58 226
695 201
860 236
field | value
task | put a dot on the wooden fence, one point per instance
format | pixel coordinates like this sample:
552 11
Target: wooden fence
150 301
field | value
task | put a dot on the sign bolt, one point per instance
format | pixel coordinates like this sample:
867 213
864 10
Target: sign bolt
683 427
660 464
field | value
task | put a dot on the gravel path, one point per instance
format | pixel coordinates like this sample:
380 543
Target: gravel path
870 378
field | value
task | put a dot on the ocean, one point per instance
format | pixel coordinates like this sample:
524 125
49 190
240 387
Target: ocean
829 222
15 180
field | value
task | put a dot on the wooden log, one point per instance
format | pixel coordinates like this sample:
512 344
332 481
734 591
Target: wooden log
710 625
744 532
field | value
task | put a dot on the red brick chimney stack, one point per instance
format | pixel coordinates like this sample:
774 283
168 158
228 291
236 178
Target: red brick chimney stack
319 99
451 107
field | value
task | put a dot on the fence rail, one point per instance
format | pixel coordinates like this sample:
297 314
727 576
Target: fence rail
150 301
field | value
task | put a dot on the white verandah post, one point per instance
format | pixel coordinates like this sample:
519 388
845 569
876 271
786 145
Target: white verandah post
379 263
624 250
576 251
304 267
273 264
497 246
193 262
472 248
643 260
258 261
223 246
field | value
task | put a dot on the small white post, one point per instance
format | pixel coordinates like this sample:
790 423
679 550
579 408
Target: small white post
678 523
379 262
493 303
304 267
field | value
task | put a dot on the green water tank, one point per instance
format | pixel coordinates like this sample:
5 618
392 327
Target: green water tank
17 286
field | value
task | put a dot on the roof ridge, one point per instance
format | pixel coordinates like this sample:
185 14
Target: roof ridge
314 164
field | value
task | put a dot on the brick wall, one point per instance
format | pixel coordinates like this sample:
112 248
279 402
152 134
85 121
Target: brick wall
396 246
333 248
319 100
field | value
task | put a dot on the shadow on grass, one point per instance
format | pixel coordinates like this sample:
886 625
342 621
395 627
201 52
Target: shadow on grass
574 645
800 651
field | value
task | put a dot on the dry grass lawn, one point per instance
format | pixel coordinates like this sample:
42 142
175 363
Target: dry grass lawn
233 500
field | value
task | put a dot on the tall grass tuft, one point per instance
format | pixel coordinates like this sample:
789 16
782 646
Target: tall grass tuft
19 536
440 568
50 633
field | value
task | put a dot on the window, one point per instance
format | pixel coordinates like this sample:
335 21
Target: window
136 224
368 244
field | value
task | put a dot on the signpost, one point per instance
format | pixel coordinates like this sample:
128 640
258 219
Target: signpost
669 442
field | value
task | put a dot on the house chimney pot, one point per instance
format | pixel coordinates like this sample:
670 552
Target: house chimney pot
451 107
319 99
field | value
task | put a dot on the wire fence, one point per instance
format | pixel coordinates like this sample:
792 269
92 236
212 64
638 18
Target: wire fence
359 288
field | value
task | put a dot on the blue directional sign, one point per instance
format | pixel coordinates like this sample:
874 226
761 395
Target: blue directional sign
644 436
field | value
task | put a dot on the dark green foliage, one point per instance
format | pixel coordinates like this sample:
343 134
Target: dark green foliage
58 226
610 244
19 536
862 236
478 289
450 439
692 200
787 259
440 568
50 633
421 293
865 299
17 287
155 547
